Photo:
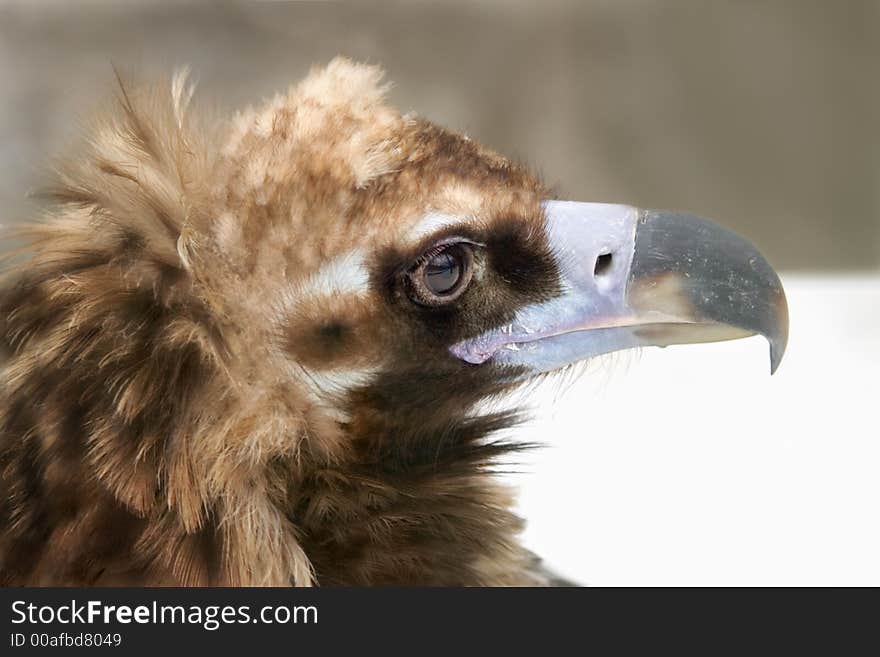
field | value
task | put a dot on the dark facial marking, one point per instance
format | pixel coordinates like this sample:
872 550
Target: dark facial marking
331 333
516 268
523 260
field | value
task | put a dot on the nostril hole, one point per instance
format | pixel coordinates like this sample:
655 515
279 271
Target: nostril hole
603 264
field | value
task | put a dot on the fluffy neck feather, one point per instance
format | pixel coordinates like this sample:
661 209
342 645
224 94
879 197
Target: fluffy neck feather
139 442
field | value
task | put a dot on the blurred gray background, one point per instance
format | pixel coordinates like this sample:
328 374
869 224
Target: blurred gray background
762 115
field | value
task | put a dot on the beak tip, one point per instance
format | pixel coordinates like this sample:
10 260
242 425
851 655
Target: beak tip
775 360
779 341
777 351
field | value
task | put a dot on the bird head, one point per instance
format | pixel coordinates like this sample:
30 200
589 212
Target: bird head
398 264
261 344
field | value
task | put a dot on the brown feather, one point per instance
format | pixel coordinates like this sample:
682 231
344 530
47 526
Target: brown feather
165 411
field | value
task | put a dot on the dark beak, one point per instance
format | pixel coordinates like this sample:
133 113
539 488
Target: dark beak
636 278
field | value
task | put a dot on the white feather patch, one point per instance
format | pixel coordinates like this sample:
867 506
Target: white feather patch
345 274
327 387
433 222
341 380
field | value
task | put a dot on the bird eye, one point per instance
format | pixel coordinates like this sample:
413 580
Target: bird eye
442 274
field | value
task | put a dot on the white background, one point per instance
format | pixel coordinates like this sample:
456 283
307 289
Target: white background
692 466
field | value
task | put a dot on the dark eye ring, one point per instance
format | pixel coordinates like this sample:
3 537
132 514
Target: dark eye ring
442 274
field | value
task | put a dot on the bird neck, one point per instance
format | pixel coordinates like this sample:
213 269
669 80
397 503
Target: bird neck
411 504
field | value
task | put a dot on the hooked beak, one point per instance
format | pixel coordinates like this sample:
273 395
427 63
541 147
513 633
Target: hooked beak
633 278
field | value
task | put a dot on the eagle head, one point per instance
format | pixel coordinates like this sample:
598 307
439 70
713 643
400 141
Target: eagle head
252 351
